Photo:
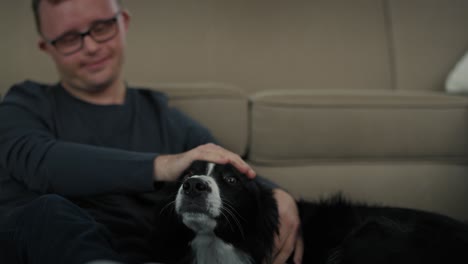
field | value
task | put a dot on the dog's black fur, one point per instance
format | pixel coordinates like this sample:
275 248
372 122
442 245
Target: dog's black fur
334 230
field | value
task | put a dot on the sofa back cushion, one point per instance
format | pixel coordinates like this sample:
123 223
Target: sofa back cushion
303 125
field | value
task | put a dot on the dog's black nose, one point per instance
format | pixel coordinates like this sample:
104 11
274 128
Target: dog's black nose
195 186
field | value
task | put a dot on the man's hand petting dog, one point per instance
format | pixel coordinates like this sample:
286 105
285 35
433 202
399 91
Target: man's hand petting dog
289 239
170 167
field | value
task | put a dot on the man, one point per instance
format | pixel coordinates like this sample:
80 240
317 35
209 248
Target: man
81 161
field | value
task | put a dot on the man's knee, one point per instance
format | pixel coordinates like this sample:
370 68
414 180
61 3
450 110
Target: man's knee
52 200
47 221
53 204
51 209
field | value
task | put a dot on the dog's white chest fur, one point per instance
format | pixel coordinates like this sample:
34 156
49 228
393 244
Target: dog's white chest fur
209 249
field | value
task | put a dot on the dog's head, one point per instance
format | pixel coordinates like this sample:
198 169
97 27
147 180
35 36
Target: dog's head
218 199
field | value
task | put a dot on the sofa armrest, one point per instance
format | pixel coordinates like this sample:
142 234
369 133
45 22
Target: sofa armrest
221 108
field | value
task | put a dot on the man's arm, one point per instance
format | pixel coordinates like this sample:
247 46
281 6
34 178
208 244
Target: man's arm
31 155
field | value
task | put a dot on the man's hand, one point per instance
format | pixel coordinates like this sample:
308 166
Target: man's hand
289 239
170 167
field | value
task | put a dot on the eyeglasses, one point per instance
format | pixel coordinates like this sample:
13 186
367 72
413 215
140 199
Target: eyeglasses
100 31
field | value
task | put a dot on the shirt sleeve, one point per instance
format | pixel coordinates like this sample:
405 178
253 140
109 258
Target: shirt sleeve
32 156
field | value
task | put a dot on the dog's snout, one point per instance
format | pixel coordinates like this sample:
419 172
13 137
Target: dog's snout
195 186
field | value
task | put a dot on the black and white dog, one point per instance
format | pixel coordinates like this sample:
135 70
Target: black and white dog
217 215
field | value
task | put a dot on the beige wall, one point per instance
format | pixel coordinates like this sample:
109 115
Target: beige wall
253 44
264 44
20 57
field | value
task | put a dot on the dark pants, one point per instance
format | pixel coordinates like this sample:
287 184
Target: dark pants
52 230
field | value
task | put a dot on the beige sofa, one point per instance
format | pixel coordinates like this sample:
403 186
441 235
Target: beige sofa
319 96
396 148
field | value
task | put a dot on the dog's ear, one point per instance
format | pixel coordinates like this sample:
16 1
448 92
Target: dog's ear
235 172
265 219
267 224
262 219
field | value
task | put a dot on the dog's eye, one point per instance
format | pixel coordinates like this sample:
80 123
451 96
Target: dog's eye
230 179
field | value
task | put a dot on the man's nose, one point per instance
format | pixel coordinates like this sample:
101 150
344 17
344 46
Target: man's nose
89 44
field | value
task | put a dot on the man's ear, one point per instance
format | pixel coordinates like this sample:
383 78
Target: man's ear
42 45
126 19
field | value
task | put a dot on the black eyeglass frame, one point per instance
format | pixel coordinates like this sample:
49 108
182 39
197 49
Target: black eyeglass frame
88 32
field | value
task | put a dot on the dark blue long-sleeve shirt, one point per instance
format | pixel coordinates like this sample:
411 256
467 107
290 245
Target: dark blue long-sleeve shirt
99 156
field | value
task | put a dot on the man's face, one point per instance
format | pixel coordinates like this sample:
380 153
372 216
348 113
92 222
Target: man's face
96 65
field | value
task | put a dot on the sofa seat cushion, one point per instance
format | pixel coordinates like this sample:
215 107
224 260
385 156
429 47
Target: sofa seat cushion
438 187
303 125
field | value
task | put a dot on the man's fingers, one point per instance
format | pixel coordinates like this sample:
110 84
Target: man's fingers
286 240
299 250
286 250
214 153
294 243
242 166
279 243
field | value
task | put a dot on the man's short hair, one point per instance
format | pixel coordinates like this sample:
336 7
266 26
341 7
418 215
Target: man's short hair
35 8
